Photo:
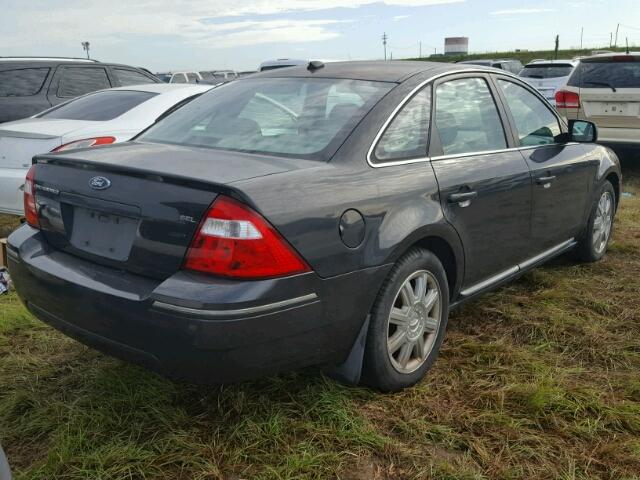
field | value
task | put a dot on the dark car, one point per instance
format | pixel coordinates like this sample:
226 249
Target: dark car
31 85
310 216
510 65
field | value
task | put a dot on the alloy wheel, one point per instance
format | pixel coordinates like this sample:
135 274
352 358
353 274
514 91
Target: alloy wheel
602 223
414 321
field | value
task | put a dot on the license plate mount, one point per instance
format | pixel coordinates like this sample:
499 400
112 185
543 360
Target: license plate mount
103 234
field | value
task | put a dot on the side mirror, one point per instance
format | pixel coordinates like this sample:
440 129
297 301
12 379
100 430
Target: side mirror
582 131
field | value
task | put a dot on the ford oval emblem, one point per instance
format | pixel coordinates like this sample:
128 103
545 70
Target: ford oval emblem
99 183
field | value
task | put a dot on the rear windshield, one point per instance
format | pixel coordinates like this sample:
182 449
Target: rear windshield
549 70
22 82
99 106
624 74
296 117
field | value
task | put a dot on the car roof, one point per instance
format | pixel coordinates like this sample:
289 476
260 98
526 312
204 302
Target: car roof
164 87
607 56
380 70
48 59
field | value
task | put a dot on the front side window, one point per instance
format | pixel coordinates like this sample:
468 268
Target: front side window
78 81
131 77
99 106
179 78
22 82
535 123
192 78
294 117
407 135
467 118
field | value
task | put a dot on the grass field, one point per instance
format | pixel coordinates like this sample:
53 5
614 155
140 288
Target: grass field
538 380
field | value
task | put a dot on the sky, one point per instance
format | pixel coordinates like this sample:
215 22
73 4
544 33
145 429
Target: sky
170 35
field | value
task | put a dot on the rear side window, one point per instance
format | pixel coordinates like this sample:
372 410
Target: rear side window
178 78
408 133
81 80
535 123
625 74
99 106
22 82
467 117
192 78
546 71
131 77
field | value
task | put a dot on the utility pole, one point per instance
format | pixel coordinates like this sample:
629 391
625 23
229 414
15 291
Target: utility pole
557 46
85 47
610 39
615 44
581 36
384 44
420 49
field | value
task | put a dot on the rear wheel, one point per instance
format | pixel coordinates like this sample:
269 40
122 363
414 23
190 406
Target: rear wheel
408 322
594 243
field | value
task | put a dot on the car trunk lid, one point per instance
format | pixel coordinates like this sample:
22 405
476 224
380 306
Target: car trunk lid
136 207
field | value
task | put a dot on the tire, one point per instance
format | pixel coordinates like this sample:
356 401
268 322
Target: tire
417 326
593 244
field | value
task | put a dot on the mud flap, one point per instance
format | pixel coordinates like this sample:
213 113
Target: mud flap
349 372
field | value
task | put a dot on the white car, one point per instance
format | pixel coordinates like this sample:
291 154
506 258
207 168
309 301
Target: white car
548 76
98 118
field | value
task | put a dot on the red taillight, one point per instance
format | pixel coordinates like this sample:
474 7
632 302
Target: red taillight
565 99
30 207
235 241
87 142
624 58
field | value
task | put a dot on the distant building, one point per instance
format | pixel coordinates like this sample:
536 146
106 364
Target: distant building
456 46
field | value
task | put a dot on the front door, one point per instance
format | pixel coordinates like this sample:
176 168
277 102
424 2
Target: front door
561 177
485 187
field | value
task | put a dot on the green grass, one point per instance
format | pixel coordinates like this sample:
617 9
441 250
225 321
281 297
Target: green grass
537 380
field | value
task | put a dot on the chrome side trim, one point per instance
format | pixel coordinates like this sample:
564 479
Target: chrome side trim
468 154
489 281
547 253
399 107
237 312
518 268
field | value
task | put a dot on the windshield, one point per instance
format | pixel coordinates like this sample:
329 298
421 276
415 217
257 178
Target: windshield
99 106
549 70
625 74
297 117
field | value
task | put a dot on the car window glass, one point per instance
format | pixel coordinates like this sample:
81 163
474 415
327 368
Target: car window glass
192 78
99 106
546 71
78 81
535 123
407 134
467 117
625 74
276 116
178 78
22 82
131 77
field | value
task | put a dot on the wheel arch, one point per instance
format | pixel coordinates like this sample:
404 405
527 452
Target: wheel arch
445 244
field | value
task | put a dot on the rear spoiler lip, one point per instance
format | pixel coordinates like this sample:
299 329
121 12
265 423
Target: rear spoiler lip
66 160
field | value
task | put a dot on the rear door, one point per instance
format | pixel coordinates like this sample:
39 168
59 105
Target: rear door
71 81
561 173
597 78
485 186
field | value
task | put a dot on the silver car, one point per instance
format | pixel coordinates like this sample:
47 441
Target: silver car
548 76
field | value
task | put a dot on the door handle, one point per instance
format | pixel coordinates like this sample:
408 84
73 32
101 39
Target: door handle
462 199
546 180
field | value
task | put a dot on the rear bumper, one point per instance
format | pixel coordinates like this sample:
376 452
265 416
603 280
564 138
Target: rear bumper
193 326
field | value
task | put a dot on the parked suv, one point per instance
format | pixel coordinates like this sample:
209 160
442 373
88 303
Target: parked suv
548 76
605 89
29 85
